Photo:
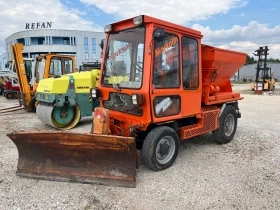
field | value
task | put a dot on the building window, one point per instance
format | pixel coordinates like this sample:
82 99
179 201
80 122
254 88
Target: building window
41 41
66 41
86 48
93 49
74 40
59 40
37 40
27 41
86 44
21 41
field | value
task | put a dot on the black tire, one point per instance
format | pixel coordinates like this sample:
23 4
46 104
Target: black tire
1 90
150 156
9 95
33 104
227 126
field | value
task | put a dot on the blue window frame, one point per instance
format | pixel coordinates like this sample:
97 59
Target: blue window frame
93 48
86 47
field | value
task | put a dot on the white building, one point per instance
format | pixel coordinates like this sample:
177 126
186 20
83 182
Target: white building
84 45
249 71
2 60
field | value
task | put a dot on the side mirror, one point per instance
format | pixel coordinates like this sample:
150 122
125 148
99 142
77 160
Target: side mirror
102 44
158 34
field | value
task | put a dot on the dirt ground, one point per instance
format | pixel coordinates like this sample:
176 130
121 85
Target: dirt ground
244 174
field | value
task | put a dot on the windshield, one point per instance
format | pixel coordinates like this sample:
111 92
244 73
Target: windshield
60 65
39 69
124 59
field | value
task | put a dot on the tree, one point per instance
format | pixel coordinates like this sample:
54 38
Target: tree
250 60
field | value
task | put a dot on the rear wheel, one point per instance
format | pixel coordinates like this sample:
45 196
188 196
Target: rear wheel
9 95
227 126
160 148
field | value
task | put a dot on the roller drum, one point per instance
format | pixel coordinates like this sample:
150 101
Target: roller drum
44 113
51 116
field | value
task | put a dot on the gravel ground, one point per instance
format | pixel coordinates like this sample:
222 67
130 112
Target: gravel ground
244 174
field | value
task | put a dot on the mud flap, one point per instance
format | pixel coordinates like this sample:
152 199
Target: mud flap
77 157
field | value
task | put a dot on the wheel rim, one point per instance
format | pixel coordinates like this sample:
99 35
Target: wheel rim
165 149
62 121
229 125
74 116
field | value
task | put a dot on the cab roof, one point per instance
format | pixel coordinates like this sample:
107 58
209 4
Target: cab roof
148 19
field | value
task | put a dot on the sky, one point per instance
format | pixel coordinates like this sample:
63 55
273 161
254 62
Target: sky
242 25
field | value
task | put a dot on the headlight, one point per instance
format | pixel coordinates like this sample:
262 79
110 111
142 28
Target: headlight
134 99
93 93
108 28
138 20
137 99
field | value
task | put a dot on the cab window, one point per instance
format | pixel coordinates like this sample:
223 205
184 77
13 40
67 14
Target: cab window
190 63
40 69
55 67
166 62
68 65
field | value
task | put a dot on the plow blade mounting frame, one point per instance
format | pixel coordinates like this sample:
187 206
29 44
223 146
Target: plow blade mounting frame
76 157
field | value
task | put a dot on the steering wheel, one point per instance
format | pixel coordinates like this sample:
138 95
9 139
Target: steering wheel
139 66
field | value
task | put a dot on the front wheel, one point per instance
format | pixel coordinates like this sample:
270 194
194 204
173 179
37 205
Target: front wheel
160 148
227 126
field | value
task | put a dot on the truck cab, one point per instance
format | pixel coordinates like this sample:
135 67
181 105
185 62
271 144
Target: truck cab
162 64
168 75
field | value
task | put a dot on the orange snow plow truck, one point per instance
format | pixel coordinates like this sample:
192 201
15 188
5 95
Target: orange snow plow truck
173 88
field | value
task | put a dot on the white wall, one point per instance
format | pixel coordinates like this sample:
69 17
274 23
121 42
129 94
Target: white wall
2 61
77 49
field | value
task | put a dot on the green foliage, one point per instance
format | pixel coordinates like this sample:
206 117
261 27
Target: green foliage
250 60
274 60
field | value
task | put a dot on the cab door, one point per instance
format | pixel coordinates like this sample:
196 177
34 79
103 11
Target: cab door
191 76
166 83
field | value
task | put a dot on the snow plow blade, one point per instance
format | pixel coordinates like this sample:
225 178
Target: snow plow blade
77 157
